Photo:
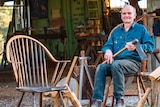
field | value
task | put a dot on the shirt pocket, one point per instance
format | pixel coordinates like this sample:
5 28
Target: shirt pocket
119 42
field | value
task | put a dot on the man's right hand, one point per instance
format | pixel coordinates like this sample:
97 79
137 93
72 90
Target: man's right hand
108 56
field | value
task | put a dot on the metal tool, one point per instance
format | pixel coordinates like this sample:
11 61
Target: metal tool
138 49
141 52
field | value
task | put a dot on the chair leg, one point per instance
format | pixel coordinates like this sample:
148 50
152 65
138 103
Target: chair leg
72 97
140 81
40 100
33 100
144 89
113 101
19 103
62 100
138 87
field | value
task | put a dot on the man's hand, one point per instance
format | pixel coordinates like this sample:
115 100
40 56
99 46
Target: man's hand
130 46
108 56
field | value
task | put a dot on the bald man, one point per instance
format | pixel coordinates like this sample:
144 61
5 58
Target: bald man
127 62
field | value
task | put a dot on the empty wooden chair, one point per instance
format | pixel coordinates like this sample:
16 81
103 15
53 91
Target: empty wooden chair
28 58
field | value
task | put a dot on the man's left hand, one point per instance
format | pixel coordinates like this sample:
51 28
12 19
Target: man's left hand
130 46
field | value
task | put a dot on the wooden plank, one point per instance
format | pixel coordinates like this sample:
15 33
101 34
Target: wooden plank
155 75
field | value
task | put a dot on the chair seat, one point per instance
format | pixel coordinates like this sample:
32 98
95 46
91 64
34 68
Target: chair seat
133 74
40 89
138 74
129 75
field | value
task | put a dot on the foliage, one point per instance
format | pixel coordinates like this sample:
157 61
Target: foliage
5 18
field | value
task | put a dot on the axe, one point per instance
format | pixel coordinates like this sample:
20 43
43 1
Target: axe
139 49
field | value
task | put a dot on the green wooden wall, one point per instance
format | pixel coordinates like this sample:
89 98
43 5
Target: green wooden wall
74 14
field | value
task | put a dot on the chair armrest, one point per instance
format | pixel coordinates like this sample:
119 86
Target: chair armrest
64 60
156 50
156 54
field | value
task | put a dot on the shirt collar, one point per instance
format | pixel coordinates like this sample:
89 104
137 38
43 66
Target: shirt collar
132 26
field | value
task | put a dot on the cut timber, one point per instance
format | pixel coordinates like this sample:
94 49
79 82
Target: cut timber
155 75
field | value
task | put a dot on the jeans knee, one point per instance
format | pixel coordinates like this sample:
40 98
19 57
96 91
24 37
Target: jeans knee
100 67
115 64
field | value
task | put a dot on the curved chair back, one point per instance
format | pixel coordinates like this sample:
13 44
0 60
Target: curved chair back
29 57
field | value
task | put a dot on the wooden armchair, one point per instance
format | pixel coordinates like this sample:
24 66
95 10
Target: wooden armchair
28 57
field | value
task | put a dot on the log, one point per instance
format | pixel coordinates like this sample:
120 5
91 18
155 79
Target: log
143 99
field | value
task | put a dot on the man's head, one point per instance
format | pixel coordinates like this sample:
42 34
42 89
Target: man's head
128 14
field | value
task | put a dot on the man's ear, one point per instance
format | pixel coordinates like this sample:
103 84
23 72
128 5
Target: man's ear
135 15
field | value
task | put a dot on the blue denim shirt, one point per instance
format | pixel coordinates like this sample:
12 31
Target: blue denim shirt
120 37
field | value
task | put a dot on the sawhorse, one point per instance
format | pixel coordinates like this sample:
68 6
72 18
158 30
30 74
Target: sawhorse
84 67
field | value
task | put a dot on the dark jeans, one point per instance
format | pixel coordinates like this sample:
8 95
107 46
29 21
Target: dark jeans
117 70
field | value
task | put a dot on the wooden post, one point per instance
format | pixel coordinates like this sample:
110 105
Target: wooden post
145 20
148 23
155 95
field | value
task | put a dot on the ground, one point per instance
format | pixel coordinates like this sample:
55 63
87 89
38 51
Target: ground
9 97
8 94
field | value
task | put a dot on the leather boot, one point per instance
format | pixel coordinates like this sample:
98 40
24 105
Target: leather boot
96 103
120 103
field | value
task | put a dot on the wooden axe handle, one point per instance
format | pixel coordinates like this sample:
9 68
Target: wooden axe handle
117 53
135 41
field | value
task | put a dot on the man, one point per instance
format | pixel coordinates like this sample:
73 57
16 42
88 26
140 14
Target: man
126 62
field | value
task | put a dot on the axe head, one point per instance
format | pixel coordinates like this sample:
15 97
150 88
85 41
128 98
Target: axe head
139 49
135 41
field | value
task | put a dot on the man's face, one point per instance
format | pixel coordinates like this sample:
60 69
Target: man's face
128 14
